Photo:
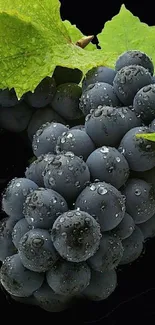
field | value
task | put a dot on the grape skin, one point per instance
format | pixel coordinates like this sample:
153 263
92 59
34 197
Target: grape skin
35 170
139 153
101 286
104 202
77 141
8 98
15 195
133 247
134 57
107 125
140 199
129 80
152 125
144 103
148 175
125 227
42 207
98 94
43 93
66 101
107 164
24 300
98 74
76 235
67 174
64 75
67 278
7 247
48 300
15 119
17 280
108 255
148 228
36 250
45 139
129 119
19 230
42 116
78 127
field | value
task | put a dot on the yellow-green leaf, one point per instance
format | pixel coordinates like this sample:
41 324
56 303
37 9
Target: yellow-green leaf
146 136
33 41
126 32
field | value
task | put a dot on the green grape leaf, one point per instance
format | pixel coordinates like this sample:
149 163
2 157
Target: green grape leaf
126 32
75 34
146 136
34 40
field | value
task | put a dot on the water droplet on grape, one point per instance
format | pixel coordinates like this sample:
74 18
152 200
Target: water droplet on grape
137 192
92 187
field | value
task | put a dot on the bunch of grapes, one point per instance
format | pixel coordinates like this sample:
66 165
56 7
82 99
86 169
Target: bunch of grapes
87 202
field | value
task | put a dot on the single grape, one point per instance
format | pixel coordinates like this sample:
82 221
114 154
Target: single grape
125 227
19 230
36 250
77 141
16 118
40 117
17 280
144 103
134 57
133 247
139 152
45 139
48 300
101 286
42 207
140 199
129 80
66 278
98 94
109 165
7 247
98 74
35 170
76 235
15 195
148 228
64 75
66 101
43 93
107 125
67 174
104 202
108 255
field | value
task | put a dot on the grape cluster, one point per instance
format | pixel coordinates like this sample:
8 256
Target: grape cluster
87 202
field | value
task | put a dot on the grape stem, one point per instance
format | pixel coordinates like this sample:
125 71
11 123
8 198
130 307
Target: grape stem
84 41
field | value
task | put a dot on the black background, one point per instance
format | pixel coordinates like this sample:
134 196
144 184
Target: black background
133 302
